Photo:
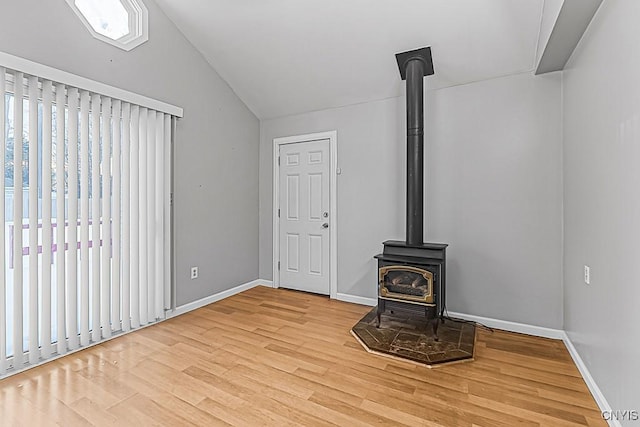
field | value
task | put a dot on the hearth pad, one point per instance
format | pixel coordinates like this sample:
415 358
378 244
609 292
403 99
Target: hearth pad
411 338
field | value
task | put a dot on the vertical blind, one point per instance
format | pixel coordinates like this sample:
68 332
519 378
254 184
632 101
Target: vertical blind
85 217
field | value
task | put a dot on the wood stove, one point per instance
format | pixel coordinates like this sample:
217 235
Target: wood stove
412 278
411 273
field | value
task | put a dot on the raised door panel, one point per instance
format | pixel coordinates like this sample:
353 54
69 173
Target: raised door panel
315 196
293 253
292 199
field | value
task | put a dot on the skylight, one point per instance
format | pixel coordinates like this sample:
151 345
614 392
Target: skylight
106 17
122 23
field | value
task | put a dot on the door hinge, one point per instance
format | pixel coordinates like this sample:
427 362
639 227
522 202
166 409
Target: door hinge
278 160
171 199
278 212
278 265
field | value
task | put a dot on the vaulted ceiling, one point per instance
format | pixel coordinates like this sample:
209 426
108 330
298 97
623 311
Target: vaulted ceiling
284 57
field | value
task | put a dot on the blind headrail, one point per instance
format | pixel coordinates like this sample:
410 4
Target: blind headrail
26 66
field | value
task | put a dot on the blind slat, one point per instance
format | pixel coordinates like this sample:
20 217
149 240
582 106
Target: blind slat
95 217
159 211
18 325
126 218
105 227
84 218
151 214
60 263
45 323
144 259
167 211
115 284
134 236
34 345
72 257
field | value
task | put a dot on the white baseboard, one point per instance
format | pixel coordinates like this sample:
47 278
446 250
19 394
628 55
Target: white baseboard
216 297
521 328
356 299
597 394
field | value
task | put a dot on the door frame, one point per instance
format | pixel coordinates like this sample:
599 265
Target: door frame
332 136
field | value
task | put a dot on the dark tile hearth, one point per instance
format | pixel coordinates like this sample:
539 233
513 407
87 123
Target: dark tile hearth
410 337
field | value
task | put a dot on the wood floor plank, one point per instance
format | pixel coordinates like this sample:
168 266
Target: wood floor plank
92 413
283 358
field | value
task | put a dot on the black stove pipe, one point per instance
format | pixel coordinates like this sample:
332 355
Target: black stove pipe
415 152
414 65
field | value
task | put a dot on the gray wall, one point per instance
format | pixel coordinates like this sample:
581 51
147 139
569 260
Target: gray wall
493 192
216 160
601 92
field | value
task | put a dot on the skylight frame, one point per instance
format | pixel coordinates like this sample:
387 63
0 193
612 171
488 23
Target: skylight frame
138 25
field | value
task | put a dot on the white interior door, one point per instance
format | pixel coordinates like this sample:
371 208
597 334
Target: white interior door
304 216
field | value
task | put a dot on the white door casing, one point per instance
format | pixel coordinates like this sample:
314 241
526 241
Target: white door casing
304 213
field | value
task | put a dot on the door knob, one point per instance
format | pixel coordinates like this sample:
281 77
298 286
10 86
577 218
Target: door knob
325 225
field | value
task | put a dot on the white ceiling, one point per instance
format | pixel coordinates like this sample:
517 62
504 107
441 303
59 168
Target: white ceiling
285 57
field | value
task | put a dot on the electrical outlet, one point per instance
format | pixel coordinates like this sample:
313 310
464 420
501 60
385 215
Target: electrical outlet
587 275
194 272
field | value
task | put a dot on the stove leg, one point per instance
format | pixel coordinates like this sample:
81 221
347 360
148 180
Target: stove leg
435 328
433 320
380 310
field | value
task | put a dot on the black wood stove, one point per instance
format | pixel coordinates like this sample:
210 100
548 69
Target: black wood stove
412 274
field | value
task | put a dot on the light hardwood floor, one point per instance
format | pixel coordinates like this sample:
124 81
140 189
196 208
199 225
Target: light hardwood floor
277 357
